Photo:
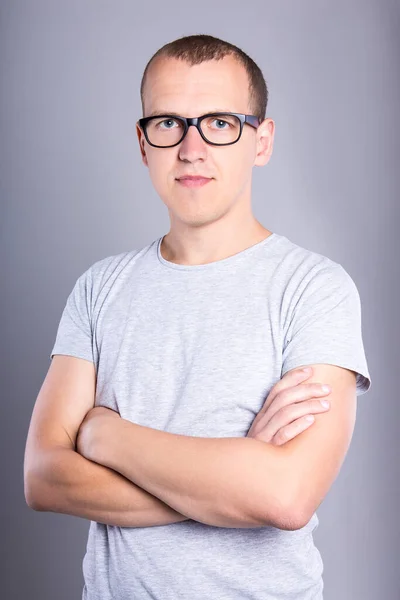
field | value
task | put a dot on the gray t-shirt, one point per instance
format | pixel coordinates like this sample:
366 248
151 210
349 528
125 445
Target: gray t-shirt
195 350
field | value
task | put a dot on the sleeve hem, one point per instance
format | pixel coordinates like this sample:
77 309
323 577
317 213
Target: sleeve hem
72 353
363 379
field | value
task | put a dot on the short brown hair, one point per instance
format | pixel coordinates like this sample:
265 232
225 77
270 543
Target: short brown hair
196 49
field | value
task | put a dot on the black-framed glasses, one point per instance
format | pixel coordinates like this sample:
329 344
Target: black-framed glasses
218 129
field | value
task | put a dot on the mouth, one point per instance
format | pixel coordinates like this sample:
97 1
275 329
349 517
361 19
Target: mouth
193 181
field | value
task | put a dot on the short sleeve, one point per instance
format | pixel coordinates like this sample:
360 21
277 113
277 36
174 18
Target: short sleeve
74 333
325 325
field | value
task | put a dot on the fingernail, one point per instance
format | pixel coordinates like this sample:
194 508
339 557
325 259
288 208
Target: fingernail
325 388
325 403
306 370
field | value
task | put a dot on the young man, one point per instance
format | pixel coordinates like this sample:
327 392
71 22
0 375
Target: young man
178 344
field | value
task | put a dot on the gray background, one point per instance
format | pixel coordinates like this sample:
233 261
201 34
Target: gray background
74 190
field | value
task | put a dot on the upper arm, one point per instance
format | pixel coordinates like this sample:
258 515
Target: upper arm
323 329
68 391
313 459
65 397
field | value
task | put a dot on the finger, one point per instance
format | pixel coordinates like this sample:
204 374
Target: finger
303 392
293 395
291 412
271 422
292 430
290 379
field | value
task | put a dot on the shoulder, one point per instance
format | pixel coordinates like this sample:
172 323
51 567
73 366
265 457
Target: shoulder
108 268
307 271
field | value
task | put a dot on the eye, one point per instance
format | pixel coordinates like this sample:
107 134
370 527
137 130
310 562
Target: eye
166 121
221 123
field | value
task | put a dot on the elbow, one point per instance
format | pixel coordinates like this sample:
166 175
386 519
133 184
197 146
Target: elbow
292 515
35 506
280 504
30 476
286 517
32 498
41 478
291 521
280 500
298 510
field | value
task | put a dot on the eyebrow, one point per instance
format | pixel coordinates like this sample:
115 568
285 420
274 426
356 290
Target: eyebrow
157 113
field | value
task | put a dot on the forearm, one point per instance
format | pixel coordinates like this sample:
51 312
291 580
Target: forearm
225 482
68 483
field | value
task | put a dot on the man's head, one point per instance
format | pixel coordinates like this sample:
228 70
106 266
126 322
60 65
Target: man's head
190 77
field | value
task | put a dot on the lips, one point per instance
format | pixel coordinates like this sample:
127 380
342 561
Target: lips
194 181
192 178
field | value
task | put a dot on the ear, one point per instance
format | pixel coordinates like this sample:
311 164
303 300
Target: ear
265 142
141 139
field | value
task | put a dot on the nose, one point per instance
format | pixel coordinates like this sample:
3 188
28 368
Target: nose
192 147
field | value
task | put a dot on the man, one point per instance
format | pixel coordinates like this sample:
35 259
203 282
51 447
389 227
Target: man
178 344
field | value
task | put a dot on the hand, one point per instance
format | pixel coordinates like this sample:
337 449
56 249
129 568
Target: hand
89 430
283 415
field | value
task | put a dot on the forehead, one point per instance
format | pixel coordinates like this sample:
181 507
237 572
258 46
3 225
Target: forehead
174 85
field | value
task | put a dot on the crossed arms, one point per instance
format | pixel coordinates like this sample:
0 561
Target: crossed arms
135 476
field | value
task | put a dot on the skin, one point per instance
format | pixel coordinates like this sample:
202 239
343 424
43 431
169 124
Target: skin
215 221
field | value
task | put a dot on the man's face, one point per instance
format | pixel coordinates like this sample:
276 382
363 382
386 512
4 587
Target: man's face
191 91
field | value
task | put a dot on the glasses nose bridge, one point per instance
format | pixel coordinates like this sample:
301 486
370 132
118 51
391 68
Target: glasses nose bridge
193 121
